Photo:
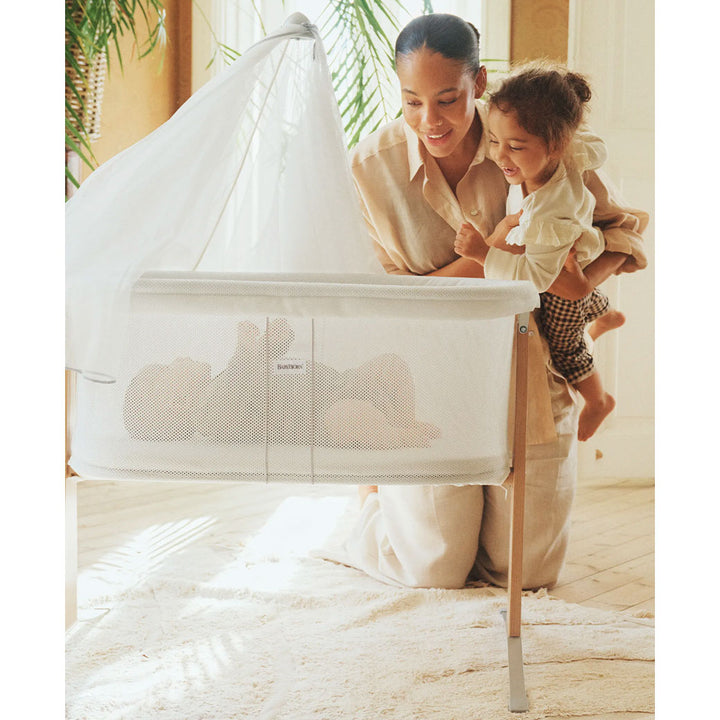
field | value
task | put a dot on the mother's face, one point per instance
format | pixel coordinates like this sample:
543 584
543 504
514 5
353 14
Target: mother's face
438 96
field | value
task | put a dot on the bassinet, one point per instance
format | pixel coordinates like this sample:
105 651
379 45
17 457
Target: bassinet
193 372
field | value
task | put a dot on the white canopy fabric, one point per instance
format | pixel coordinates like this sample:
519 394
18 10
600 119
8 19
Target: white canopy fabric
250 175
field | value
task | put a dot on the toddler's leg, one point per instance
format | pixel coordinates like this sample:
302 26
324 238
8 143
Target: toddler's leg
609 321
563 323
598 405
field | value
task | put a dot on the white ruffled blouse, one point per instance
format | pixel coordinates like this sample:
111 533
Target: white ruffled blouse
554 217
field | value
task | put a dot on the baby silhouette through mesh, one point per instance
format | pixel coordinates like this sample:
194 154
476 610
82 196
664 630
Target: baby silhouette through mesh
264 396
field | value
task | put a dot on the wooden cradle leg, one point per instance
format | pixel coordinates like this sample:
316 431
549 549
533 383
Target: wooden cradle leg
71 545
70 551
518 696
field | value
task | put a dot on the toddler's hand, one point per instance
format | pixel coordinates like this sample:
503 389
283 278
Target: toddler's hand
469 242
497 239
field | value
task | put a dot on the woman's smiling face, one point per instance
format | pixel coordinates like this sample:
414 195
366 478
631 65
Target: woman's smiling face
438 97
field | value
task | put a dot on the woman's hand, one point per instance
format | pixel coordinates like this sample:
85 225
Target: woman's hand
571 283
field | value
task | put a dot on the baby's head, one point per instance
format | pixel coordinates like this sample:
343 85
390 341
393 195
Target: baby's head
538 106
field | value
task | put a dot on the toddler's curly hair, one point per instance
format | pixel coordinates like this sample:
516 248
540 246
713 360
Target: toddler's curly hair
548 99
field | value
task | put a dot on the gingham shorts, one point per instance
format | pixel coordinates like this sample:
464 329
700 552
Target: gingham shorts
563 322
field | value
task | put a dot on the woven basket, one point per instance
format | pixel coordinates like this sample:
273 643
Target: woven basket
90 110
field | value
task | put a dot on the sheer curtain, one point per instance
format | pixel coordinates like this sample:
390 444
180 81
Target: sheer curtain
240 23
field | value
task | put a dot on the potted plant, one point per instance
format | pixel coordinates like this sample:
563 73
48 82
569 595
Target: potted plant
92 29
359 52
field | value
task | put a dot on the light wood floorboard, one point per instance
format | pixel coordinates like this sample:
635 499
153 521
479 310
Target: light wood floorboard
611 556
610 562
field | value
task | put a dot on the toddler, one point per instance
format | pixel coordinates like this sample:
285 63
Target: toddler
532 125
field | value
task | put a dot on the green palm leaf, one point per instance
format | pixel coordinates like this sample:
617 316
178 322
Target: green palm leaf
92 28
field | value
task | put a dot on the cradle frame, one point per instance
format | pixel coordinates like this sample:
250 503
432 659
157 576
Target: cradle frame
512 616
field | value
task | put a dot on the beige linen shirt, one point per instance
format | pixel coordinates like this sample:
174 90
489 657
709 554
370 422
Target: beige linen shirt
411 212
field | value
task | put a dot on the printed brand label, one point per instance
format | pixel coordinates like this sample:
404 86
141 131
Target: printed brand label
288 366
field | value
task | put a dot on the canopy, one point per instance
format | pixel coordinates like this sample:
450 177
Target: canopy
249 175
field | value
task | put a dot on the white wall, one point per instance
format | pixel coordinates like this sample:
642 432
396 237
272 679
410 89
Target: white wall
612 41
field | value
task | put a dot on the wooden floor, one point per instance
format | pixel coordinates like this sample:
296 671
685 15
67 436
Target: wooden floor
610 561
611 557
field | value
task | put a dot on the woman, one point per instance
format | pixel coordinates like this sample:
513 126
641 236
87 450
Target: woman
419 178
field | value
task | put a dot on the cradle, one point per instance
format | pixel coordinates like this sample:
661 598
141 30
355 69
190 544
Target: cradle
455 335
201 346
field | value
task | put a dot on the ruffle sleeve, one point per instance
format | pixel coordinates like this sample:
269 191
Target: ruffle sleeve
587 151
554 233
543 221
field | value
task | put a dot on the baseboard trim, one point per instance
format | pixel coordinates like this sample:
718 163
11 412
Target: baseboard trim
625 449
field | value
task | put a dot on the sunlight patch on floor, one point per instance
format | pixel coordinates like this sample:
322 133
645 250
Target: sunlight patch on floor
299 525
125 566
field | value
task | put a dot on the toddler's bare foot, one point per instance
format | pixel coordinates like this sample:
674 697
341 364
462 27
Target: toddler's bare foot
609 321
365 490
592 415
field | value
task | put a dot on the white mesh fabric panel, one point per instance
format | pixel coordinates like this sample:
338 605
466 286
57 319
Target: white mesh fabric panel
208 391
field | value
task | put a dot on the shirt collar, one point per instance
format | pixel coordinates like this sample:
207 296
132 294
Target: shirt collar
417 153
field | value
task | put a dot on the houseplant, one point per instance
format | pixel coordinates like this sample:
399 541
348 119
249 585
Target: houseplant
359 53
92 30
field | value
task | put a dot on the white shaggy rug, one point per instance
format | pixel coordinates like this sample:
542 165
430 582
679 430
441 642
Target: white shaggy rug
223 630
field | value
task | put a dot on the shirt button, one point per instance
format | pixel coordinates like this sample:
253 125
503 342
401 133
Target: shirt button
473 212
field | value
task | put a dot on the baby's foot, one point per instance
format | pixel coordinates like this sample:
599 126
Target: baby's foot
419 434
592 415
609 321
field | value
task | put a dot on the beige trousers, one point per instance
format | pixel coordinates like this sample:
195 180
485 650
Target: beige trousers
439 536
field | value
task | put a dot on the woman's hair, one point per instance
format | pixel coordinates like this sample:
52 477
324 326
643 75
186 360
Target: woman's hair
449 35
549 100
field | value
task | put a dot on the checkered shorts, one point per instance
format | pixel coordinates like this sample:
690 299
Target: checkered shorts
562 322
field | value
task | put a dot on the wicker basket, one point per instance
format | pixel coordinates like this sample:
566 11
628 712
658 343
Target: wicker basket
90 110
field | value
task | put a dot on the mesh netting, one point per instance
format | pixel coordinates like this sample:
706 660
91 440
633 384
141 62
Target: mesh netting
207 392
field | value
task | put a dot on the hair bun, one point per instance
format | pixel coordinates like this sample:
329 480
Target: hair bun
580 85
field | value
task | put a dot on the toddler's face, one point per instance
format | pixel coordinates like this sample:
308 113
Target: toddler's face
523 158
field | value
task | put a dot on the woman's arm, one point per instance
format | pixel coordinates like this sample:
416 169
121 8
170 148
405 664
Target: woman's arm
621 226
573 283
462 267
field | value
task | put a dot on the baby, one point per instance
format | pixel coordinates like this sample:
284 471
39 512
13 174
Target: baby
252 399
